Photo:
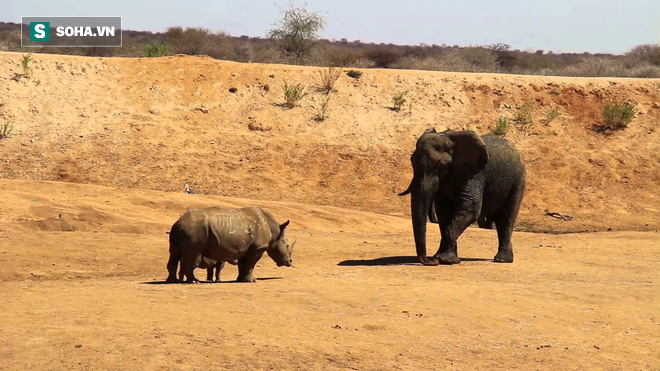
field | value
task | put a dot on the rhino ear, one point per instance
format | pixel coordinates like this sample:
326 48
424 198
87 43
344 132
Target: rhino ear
282 227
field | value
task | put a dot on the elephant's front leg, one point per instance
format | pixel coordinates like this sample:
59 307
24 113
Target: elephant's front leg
452 224
246 266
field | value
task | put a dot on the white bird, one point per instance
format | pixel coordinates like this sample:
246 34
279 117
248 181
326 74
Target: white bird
189 191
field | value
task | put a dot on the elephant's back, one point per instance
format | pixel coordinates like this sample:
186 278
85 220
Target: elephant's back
504 173
503 157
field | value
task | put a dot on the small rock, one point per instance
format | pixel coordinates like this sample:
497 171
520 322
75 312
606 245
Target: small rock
32 140
233 90
154 111
78 345
213 142
271 76
234 74
656 104
254 126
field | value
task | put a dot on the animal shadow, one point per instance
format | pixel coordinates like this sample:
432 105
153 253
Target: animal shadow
396 260
384 261
204 282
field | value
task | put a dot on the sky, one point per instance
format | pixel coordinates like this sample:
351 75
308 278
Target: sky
596 26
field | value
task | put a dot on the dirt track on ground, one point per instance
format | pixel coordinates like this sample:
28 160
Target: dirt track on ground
92 178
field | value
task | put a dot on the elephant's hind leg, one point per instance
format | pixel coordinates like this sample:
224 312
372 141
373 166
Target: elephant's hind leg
505 219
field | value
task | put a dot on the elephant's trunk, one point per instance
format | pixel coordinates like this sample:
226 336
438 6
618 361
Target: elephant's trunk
421 200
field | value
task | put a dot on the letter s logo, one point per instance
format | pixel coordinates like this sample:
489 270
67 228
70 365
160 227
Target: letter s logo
39 32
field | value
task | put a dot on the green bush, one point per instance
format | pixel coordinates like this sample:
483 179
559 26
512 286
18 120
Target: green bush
398 100
323 109
617 115
329 77
340 56
550 115
7 127
502 126
524 116
26 63
293 94
200 41
155 49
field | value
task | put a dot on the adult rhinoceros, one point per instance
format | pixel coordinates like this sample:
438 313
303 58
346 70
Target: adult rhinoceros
226 235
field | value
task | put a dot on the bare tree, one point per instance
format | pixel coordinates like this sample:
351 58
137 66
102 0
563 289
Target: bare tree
297 31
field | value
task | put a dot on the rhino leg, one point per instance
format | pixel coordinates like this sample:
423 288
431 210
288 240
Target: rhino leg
172 265
246 266
189 262
218 268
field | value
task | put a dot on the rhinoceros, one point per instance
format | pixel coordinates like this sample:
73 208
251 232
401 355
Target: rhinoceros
210 266
209 237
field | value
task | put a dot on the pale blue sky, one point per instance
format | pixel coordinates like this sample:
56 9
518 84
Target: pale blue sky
612 26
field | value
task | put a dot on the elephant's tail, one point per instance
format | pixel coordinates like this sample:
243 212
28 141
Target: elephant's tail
175 254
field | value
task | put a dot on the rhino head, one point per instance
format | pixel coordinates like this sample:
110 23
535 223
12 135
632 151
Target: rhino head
279 249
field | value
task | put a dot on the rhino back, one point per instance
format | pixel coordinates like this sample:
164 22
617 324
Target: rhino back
231 234
266 228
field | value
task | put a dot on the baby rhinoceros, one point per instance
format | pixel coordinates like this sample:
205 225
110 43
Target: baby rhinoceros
210 266
226 235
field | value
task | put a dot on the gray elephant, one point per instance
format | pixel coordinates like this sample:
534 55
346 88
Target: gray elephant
460 178
225 235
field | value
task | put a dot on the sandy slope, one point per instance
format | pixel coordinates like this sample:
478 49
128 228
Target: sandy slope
83 253
356 299
157 123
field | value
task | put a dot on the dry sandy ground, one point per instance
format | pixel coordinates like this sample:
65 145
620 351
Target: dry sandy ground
92 297
105 143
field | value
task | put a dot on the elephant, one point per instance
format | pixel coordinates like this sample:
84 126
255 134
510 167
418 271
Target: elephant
459 178
200 237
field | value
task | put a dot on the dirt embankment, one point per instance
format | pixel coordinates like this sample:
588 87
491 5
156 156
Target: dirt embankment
157 123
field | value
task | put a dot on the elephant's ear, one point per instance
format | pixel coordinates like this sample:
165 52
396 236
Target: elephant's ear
469 152
429 131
